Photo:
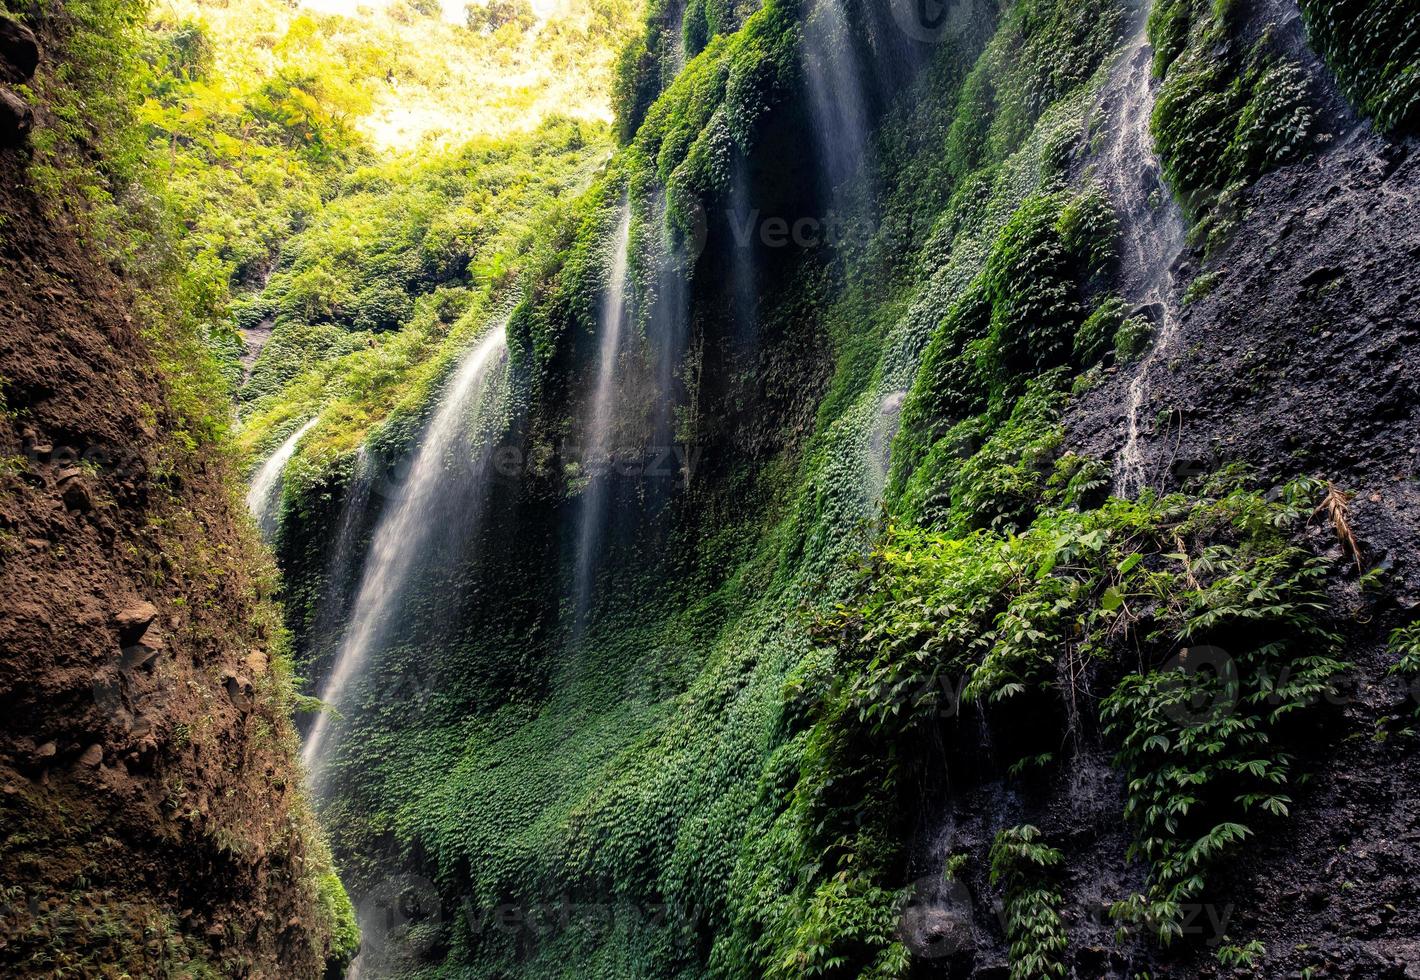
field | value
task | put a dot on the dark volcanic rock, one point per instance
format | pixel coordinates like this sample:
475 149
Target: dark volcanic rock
19 51
1304 359
16 118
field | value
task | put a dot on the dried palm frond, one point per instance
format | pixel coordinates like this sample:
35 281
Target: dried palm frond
1336 505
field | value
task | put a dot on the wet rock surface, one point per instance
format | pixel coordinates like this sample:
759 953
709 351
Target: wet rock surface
1302 358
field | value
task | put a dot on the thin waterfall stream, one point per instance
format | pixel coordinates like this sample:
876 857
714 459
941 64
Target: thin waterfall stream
837 98
401 536
1152 227
597 450
265 486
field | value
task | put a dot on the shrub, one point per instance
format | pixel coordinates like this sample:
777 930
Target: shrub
1373 46
1021 864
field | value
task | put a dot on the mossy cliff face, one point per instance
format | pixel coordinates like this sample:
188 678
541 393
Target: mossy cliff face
154 819
879 678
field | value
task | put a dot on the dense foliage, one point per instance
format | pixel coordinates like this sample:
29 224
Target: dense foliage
1229 107
1374 48
718 773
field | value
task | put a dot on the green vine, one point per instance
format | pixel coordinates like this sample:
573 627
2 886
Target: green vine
1021 863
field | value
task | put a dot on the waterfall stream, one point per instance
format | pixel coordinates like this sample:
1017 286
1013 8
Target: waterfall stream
598 450
1152 227
836 93
265 488
404 532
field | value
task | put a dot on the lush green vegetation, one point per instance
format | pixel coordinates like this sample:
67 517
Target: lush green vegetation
1019 863
373 297
1374 48
751 774
1228 110
290 136
718 773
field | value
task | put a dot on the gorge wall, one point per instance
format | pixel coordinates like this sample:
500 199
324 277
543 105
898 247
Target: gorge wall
154 819
877 678
935 498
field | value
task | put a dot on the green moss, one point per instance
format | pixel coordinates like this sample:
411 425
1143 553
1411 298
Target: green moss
1023 316
1373 46
1225 114
1097 333
1202 287
1132 339
335 905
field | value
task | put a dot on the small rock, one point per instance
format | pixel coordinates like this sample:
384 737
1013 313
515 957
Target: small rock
46 751
19 51
1152 311
136 656
16 118
239 690
152 638
135 617
76 497
92 756
257 663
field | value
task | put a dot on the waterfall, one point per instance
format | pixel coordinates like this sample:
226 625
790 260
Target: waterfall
265 487
597 442
1151 223
407 528
343 563
744 280
836 94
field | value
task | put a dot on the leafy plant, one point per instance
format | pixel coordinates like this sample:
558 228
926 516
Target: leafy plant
1021 865
1374 48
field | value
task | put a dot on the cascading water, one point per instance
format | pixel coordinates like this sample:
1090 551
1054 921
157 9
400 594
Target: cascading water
597 448
407 527
1152 226
265 486
343 566
837 98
